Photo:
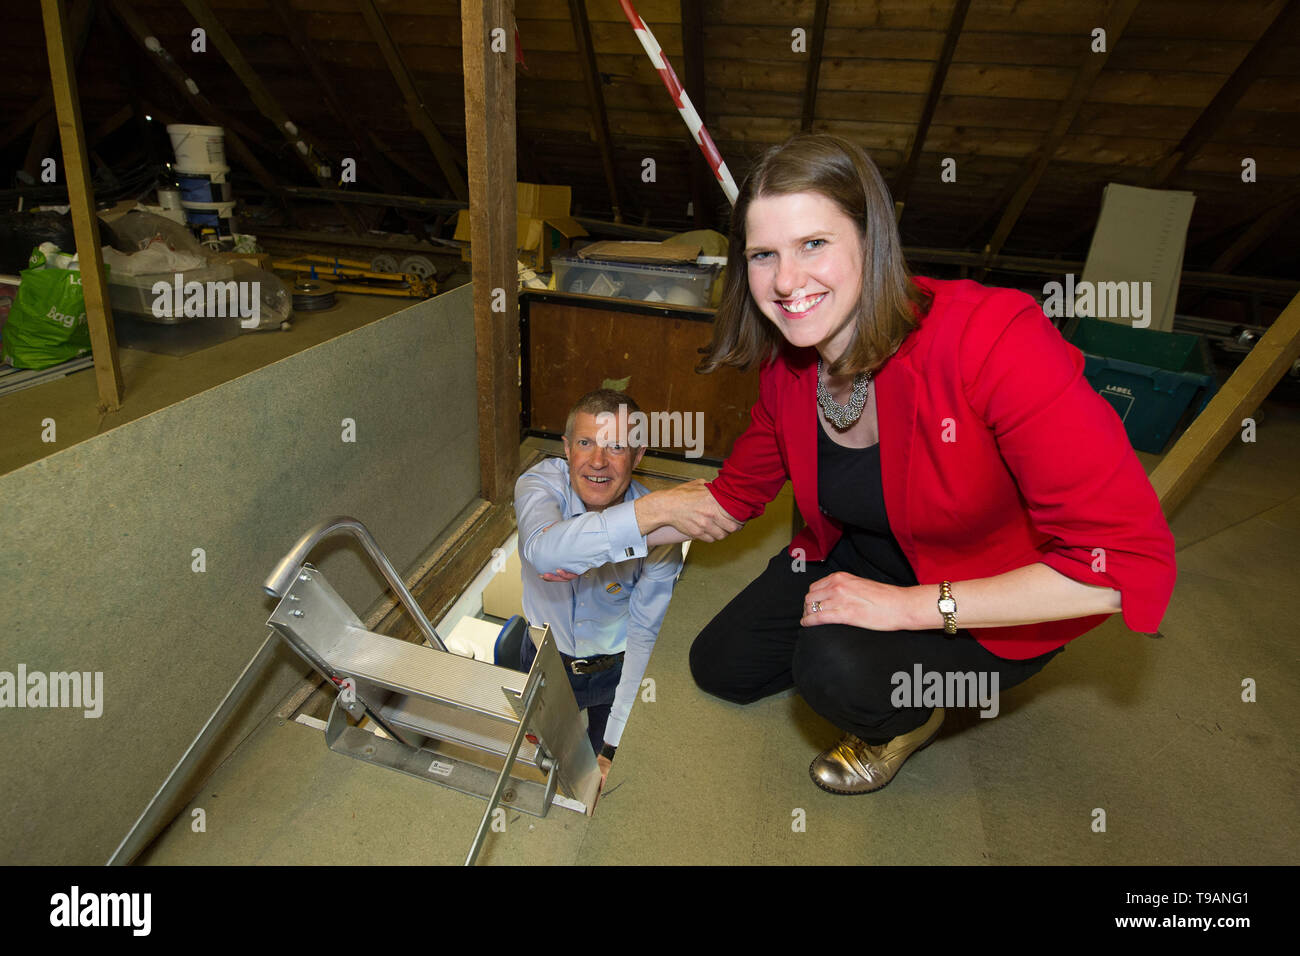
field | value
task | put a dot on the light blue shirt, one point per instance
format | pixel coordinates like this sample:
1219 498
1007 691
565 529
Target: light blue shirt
618 602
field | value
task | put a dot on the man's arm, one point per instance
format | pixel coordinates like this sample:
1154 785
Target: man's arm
646 610
549 542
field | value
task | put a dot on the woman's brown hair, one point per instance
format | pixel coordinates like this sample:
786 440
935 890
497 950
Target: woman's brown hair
890 302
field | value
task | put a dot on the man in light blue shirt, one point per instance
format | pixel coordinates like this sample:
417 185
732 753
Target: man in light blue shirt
588 570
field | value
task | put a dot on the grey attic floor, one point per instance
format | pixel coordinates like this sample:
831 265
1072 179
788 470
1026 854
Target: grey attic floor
1153 731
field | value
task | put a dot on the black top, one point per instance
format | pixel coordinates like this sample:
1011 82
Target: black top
849 489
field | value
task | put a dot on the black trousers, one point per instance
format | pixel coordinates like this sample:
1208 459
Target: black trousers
756 647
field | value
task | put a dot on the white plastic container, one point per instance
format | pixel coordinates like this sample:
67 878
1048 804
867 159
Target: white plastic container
198 149
686 284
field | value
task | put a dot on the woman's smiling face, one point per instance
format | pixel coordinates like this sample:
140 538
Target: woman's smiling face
804 257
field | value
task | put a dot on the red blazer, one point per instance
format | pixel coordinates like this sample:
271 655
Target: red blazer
995 453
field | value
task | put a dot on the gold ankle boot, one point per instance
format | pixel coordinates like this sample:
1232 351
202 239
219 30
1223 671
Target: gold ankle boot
854 766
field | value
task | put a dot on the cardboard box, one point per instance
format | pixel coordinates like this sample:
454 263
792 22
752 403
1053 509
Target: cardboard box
504 595
542 224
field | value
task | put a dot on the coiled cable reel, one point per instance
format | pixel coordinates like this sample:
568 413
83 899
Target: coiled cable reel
312 295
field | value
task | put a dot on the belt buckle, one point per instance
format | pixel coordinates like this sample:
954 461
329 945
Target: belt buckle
573 665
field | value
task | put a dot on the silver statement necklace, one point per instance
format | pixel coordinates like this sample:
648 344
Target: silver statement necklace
842 416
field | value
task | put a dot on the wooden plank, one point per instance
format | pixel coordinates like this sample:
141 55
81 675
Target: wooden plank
491 149
1116 20
81 197
1278 33
1221 420
416 109
817 43
904 181
595 100
33 114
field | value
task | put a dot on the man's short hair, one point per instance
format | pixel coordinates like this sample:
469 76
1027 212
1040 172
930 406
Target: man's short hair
594 403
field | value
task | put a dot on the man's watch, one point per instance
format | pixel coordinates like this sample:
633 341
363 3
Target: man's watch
948 608
607 751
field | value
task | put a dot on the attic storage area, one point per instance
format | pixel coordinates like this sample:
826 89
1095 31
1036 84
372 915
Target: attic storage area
461 217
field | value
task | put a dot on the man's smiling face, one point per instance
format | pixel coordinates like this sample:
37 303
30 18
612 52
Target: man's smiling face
600 469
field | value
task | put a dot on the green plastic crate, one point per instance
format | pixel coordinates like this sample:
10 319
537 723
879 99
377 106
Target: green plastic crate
1151 378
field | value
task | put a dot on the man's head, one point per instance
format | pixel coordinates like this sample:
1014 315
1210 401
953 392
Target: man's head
596 442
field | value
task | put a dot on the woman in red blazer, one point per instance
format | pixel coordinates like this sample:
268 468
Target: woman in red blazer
972 504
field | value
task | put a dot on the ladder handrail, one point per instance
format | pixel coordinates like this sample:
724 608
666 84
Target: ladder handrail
279 580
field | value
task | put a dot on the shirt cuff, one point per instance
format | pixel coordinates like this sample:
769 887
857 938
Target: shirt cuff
625 538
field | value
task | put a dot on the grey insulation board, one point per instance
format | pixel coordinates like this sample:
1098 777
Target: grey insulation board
97 551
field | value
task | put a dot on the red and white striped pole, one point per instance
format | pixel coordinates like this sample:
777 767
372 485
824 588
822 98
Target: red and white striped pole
682 101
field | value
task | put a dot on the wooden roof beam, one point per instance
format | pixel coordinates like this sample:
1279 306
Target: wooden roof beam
1117 19
415 107
702 181
904 181
814 65
267 104
595 98
205 107
346 118
1280 32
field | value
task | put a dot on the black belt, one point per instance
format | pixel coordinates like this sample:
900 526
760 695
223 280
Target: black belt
591 665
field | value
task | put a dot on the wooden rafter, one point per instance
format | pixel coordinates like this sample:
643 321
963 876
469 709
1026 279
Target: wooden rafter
1117 19
78 23
377 166
205 107
818 41
1277 34
692 17
415 107
595 99
908 172
1259 230
490 146
266 102
81 199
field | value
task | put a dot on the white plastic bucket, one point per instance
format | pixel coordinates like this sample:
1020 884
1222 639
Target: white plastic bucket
198 149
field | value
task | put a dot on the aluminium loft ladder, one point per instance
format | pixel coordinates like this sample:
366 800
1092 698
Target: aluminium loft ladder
497 733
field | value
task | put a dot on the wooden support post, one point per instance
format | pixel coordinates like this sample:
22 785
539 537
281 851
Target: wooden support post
415 107
490 144
85 224
1221 420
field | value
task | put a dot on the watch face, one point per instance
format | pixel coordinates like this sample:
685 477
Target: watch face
947 606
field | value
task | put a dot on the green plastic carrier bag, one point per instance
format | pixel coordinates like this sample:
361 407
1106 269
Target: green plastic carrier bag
47 322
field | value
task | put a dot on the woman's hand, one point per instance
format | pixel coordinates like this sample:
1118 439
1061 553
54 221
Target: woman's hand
859 602
690 508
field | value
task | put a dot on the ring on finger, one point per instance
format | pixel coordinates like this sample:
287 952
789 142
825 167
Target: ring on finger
815 606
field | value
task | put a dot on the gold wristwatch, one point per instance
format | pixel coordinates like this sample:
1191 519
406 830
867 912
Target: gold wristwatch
948 608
